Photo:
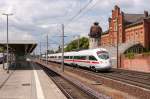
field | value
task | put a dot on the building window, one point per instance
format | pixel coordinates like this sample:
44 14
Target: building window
136 33
115 26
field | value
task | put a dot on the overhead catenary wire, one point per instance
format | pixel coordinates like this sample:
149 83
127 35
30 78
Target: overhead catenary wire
80 11
92 6
84 8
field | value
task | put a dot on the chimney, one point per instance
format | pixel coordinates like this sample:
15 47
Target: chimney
116 7
146 13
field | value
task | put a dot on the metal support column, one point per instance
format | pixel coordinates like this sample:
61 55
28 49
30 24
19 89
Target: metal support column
40 51
47 51
117 43
62 64
78 42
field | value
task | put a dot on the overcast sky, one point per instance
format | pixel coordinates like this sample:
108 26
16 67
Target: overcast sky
32 19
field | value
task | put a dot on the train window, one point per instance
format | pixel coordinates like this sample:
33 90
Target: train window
59 56
83 57
66 57
79 57
71 57
103 56
76 57
92 58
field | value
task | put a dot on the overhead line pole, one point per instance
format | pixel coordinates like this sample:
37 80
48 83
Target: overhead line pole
78 42
62 64
117 43
40 50
47 50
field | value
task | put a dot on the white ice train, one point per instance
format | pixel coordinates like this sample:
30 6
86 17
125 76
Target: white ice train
95 59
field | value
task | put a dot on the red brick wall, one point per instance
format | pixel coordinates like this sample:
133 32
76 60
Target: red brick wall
147 33
138 33
139 63
116 24
105 40
135 33
116 20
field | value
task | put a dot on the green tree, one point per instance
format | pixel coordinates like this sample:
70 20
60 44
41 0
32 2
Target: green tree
73 45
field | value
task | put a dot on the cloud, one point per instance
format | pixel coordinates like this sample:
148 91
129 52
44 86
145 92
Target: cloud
15 36
31 15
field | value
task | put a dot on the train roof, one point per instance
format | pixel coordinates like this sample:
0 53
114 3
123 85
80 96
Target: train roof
82 52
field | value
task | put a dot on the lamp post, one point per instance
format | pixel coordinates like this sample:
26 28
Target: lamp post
7 40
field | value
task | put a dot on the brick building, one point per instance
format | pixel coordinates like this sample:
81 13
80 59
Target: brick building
130 28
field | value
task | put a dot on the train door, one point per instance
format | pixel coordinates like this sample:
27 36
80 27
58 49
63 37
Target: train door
83 61
92 61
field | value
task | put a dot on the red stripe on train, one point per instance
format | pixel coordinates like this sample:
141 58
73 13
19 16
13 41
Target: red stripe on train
85 61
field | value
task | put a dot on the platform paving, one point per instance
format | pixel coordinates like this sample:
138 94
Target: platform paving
27 81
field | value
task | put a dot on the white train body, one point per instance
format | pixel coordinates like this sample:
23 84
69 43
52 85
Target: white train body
97 59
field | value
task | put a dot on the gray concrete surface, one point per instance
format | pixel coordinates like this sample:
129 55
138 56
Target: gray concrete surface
27 81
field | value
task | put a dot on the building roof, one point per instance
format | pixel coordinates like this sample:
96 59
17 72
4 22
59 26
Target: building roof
18 42
132 18
20 46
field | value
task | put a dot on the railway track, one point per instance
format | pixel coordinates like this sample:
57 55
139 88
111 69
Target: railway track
139 79
71 90
132 82
130 77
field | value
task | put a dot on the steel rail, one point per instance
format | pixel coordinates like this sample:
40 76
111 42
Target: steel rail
83 87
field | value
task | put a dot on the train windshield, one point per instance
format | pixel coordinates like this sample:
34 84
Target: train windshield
103 55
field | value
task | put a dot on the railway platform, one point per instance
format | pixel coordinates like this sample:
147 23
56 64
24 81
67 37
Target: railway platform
27 81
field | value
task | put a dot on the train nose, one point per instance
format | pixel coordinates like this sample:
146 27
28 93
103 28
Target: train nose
106 63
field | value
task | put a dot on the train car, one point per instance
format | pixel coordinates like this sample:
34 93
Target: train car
43 57
95 59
